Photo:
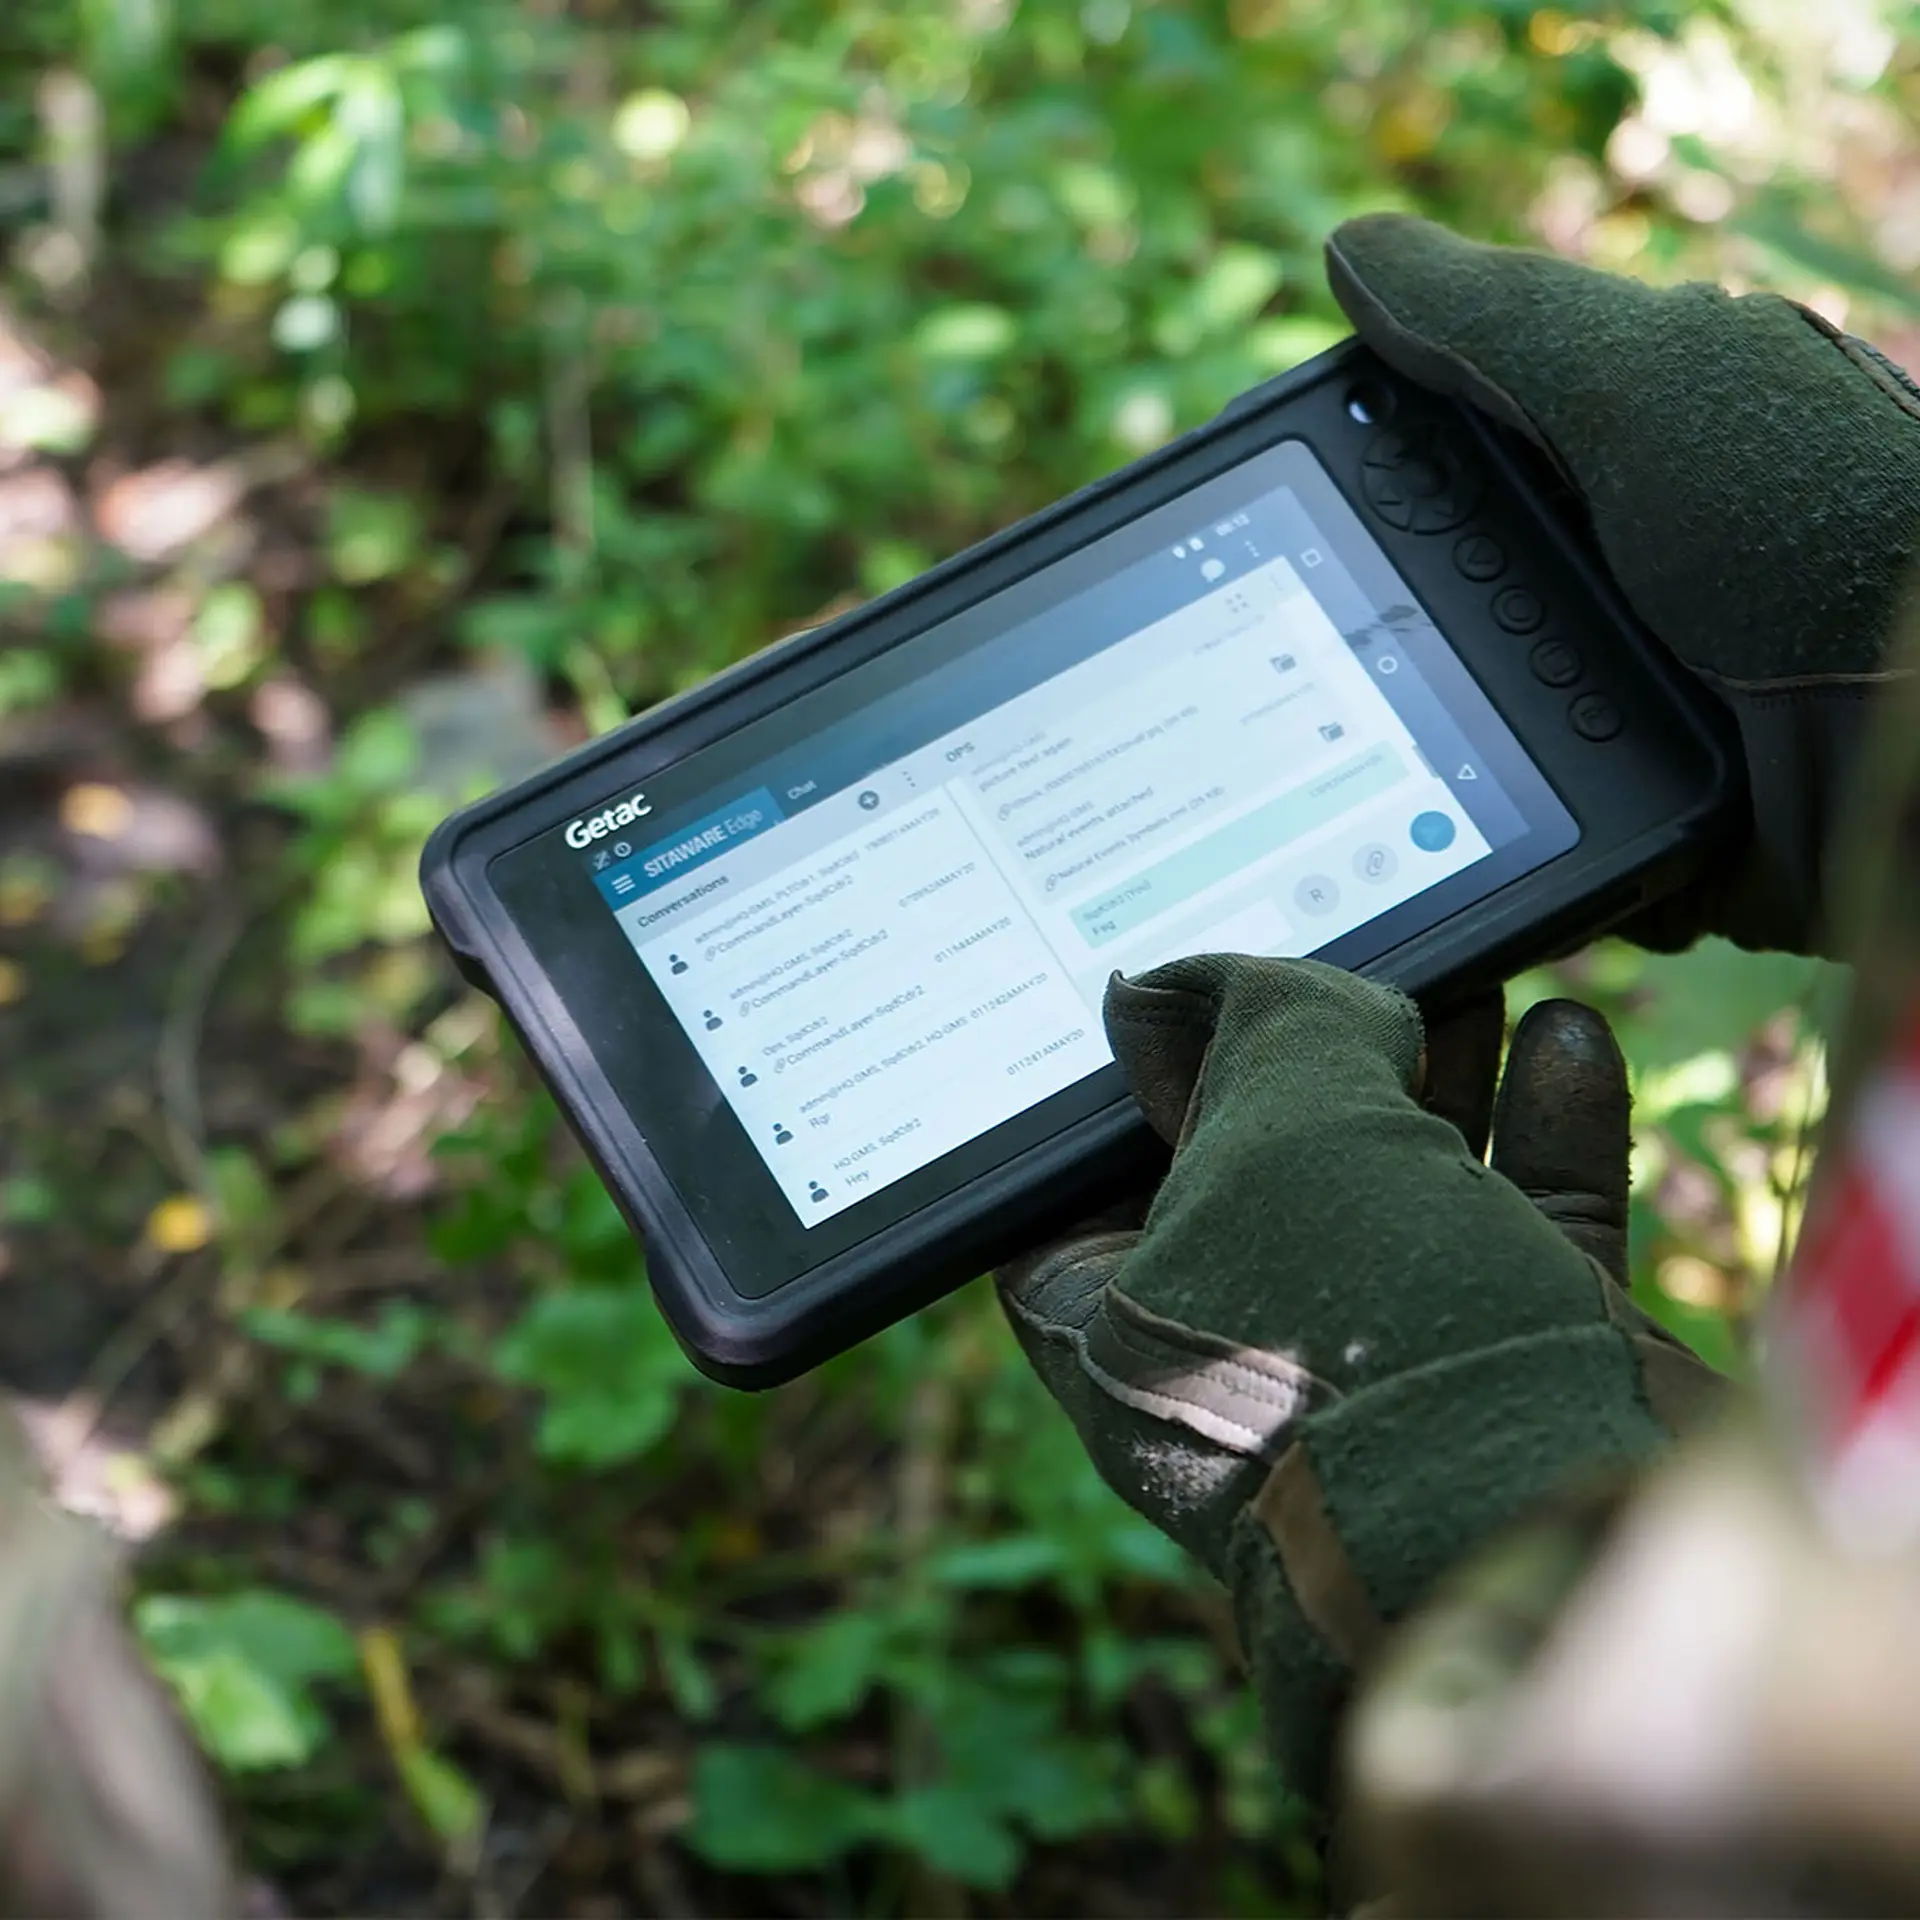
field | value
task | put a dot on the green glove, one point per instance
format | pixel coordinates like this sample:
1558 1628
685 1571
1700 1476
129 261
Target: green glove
1342 1351
1752 476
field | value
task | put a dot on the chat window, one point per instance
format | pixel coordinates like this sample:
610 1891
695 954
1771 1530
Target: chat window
912 962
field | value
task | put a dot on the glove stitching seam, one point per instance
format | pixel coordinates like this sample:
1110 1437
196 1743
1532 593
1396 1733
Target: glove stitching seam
1251 1385
1866 362
1858 684
1224 1430
1263 1371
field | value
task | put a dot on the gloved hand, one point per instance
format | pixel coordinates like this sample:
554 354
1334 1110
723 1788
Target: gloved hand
1342 1351
1753 480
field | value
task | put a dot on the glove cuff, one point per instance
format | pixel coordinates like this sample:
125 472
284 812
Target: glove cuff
1388 1489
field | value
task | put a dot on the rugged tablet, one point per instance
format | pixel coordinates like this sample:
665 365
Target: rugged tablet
813 956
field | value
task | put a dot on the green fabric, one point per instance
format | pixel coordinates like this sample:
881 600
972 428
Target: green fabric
1753 481
1314 1202
1413 1471
1329 1280
1452 1451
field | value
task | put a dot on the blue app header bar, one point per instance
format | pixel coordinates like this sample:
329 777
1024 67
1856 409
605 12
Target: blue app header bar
627 879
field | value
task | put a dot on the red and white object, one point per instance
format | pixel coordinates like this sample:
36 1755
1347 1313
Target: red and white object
1844 1346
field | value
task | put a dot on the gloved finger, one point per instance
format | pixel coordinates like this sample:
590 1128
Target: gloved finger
1461 1066
1161 1031
1562 1127
1623 384
1162 1028
1505 329
1051 1294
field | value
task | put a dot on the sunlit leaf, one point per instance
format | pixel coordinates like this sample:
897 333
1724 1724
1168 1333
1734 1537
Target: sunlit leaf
1713 997
371 114
966 333
244 1668
305 323
275 105
370 536
452 1807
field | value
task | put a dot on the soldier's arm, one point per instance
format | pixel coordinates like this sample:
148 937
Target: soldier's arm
1342 1354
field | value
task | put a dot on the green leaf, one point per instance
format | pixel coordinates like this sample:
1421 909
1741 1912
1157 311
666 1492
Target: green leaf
242 1198
1237 283
371 114
247 1721
273 1631
759 1810
26 1201
382 1351
533 625
370 536
277 104
609 1368
958 1835
378 753
1006 1746
230 635
1277 346
828 1670
966 333
452 1807
244 1667
437 50
689 1679
28 677
1713 998
1016 1561
259 247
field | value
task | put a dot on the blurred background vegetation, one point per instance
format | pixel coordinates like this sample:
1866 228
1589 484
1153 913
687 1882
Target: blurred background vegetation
391 396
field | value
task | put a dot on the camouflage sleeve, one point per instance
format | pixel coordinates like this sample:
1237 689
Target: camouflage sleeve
1432 1709
104 1807
1680 1698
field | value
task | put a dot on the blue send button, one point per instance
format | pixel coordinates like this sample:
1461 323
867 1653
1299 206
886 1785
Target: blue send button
693 846
1431 832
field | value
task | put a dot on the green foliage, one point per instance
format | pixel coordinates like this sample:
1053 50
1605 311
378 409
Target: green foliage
1007 1768
383 1349
759 1810
245 1668
618 342
610 1371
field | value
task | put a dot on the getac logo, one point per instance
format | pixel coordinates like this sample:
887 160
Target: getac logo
583 833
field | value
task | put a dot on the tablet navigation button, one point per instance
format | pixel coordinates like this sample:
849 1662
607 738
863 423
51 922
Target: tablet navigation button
1417 482
1556 663
1391 500
1595 717
1480 557
1519 610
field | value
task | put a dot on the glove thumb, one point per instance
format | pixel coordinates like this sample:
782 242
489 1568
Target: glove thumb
1562 1128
